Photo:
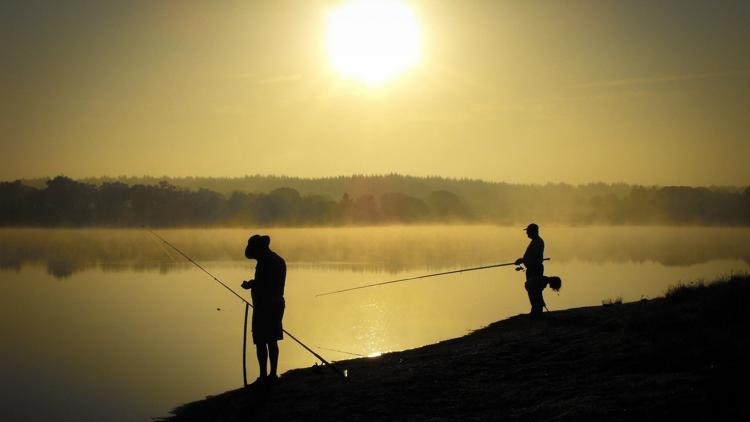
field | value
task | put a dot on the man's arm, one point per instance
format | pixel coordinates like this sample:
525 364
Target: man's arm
535 253
525 258
248 284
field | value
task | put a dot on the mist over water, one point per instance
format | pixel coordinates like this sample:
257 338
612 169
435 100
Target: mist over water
110 324
388 249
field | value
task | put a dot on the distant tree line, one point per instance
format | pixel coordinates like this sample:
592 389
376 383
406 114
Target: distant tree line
360 200
66 202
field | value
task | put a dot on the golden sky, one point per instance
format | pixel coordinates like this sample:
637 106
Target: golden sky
651 92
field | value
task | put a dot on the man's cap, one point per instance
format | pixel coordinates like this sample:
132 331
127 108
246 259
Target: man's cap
256 244
259 241
532 228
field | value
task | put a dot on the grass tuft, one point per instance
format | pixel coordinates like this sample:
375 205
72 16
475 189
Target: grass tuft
610 301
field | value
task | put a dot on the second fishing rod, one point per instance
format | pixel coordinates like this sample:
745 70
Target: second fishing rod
463 270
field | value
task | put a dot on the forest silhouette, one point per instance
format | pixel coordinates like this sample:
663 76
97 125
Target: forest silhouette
356 200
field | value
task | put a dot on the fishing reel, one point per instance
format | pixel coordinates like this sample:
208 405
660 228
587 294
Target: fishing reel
520 268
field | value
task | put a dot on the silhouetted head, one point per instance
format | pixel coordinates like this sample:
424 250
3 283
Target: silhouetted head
532 230
257 246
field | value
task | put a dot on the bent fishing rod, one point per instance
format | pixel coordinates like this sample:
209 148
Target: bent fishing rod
463 270
323 360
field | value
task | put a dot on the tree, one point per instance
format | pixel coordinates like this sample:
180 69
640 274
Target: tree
397 207
447 206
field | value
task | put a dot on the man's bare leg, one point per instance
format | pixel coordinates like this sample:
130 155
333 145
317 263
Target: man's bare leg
273 354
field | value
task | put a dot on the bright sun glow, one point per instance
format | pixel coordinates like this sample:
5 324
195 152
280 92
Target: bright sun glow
373 40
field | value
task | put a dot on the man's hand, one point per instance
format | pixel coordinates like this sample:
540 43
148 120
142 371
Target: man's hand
519 261
248 284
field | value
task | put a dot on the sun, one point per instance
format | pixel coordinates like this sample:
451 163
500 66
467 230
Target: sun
373 40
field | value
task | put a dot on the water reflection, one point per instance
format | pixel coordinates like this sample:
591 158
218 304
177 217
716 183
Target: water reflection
138 331
382 249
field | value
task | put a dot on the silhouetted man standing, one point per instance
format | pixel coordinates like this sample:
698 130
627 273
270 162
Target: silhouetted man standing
267 292
533 260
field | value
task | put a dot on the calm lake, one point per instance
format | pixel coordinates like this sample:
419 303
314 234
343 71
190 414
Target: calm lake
112 325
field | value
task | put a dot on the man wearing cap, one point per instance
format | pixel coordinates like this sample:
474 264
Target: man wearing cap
533 260
267 292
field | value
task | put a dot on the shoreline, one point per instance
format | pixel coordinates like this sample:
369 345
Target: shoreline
681 355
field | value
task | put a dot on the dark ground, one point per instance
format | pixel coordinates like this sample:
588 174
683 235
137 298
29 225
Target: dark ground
683 356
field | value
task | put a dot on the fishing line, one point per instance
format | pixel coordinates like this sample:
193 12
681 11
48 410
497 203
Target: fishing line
342 351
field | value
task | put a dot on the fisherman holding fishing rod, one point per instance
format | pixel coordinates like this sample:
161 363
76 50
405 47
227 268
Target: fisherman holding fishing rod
270 276
267 292
533 260
260 251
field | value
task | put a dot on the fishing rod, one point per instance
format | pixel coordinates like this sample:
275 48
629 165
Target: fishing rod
327 363
418 277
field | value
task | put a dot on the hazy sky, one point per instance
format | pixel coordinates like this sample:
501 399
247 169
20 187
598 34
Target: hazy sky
652 92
